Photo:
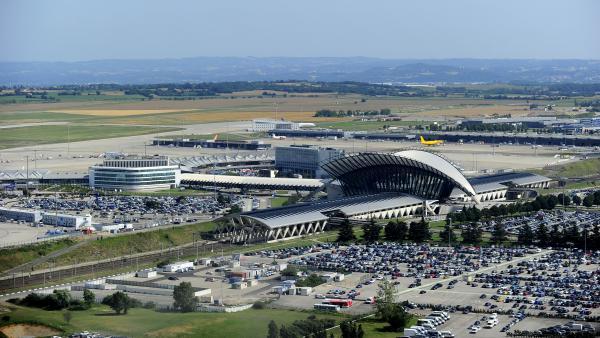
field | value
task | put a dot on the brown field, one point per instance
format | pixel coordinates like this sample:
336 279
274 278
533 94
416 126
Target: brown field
116 112
248 105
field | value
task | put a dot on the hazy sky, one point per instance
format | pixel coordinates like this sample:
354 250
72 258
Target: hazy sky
85 30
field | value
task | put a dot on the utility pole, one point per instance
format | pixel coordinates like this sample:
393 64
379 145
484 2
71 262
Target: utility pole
449 231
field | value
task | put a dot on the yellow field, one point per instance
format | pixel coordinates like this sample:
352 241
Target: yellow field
117 112
221 116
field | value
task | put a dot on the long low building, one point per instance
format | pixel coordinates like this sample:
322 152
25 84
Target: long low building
193 163
309 218
48 218
495 187
251 182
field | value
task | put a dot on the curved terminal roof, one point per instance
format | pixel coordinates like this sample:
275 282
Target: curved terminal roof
354 168
440 164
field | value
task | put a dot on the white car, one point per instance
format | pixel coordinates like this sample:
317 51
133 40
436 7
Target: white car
475 329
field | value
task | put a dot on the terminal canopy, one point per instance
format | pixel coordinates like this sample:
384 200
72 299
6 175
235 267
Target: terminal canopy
414 172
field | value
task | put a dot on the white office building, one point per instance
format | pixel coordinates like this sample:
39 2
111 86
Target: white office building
68 221
135 173
266 125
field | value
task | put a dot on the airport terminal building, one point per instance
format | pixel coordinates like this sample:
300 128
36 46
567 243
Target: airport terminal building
376 186
135 173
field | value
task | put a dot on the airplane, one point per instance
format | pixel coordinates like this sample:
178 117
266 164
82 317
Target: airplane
431 143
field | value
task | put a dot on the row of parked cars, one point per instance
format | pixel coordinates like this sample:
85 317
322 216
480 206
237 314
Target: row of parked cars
408 260
563 282
426 327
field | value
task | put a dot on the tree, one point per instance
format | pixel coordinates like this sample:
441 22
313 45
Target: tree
525 235
183 294
555 236
577 200
499 233
371 231
59 299
67 316
118 301
273 330
89 297
541 234
588 201
387 308
447 235
396 230
564 199
472 233
351 330
419 231
285 332
346 232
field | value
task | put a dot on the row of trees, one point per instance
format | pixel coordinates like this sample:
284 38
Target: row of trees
310 327
350 113
57 300
542 202
395 230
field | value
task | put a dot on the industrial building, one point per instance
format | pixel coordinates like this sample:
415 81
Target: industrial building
253 160
48 218
69 221
219 144
305 160
29 216
135 173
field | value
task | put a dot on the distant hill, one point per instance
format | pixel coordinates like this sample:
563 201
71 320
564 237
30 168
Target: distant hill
216 69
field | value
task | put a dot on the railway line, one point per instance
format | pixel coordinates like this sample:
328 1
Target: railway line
20 280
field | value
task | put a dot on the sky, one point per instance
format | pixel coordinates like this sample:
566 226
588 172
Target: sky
60 30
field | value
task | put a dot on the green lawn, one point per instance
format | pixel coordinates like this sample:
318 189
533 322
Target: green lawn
375 328
30 117
578 169
148 323
116 246
278 201
9 258
47 134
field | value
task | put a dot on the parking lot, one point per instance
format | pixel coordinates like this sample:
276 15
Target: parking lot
549 218
141 212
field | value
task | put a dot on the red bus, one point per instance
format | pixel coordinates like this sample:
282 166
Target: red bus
339 302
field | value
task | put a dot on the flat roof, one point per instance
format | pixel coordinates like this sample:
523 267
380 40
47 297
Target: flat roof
517 178
253 180
316 211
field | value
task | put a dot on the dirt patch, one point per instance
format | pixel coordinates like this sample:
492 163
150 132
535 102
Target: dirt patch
173 331
28 330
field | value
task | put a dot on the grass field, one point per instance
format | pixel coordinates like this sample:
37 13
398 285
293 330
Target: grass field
47 134
148 323
12 257
579 169
115 246
375 328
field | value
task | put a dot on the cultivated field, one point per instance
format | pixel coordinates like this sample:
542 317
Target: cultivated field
250 105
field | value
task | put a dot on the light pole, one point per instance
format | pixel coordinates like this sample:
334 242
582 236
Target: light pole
449 231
